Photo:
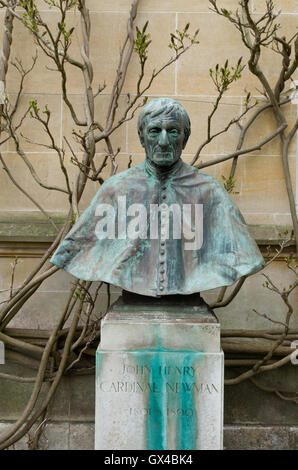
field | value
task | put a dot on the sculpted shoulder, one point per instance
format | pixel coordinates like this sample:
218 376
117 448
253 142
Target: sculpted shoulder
127 176
204 179
121 182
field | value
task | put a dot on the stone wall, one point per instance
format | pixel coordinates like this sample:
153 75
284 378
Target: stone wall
251 415
260 183
253 419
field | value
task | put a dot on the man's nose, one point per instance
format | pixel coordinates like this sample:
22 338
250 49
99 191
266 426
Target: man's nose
163 139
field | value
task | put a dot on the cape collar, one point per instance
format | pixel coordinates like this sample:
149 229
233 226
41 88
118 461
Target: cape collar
162 173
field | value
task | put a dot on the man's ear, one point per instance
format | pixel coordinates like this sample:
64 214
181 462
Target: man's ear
185 140
141 137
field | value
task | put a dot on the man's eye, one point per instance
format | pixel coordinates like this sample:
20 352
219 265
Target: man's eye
154 131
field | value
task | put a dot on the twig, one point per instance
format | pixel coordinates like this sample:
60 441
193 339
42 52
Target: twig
27 194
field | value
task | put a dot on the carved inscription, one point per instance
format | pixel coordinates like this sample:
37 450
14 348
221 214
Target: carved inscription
157 411
176 380
154 387
161 370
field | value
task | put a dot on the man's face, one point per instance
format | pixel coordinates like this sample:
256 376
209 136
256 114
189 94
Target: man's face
163 139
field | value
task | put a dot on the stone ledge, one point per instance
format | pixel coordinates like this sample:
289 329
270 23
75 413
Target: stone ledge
28 227
270 234
80 436
32 228
260 437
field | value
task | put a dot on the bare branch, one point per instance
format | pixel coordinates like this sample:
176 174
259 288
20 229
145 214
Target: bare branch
253 148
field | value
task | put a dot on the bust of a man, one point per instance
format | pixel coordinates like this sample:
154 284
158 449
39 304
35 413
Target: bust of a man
161 227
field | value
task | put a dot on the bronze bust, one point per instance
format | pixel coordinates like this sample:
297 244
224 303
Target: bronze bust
161 227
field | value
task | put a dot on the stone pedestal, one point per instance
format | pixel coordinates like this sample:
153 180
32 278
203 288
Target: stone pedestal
159 382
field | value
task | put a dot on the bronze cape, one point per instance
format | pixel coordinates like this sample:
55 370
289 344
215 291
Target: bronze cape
149 266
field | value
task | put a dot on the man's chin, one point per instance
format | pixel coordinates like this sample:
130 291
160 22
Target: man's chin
163 159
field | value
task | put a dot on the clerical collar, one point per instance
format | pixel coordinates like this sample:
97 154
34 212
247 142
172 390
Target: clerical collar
160 172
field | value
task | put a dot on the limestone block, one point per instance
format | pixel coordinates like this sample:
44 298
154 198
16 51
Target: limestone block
286 6
159 381
142 328
159 400
165 5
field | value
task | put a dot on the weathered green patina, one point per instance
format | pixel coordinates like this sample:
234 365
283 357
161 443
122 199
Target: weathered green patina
170 407
122 248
